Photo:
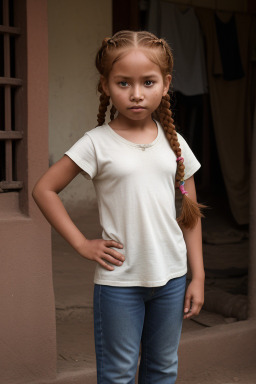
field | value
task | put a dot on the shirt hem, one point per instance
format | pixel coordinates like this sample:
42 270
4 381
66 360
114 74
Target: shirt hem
192 172
148 284
84 167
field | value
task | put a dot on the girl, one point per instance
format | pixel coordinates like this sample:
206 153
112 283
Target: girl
135 163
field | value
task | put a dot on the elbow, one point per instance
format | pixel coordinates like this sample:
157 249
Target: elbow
35 193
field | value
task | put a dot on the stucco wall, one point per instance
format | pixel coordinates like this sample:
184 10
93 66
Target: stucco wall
28 337
76 29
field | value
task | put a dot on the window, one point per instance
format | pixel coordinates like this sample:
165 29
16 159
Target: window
12 95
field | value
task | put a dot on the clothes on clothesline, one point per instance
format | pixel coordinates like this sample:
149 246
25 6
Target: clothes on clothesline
182 31
231 112
229 48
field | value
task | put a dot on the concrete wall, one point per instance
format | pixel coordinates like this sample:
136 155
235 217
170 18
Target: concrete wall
28 337
76 30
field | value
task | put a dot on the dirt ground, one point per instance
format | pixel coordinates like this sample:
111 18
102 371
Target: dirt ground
226 259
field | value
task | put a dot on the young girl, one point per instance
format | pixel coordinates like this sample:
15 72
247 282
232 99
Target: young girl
135 163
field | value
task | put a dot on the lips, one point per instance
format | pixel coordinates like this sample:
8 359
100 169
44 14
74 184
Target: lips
137 107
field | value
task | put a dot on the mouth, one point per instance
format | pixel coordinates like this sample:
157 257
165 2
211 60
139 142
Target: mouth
137 108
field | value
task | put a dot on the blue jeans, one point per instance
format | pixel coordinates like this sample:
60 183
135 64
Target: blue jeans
124 318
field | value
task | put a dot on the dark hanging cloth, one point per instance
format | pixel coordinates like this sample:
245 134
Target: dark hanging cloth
182 31
231 112
229 48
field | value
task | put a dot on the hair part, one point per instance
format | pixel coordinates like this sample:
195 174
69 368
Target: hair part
159 52
112 49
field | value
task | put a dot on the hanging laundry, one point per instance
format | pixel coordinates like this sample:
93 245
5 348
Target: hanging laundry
231 112
229 48
182 31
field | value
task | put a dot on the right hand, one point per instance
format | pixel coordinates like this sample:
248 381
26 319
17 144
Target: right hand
100 250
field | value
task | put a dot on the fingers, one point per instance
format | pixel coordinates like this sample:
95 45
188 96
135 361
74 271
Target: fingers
105 265
105 259
187 307
192 306
112 243
111 256
112 252
103 252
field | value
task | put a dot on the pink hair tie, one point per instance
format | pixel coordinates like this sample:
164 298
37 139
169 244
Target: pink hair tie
182 188
179 159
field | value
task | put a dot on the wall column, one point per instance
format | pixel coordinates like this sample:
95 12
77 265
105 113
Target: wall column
28 337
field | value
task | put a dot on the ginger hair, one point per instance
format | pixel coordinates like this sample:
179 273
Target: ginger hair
159 52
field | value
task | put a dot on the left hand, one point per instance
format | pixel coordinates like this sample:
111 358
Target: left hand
194 298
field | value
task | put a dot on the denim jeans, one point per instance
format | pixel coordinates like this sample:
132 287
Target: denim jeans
124 318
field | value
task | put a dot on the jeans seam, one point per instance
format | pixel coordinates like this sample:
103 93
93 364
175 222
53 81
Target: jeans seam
146 351
101 336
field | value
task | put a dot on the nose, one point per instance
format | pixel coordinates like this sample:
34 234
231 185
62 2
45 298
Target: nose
137 93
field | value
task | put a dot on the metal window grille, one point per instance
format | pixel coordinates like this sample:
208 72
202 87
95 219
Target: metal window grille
10 131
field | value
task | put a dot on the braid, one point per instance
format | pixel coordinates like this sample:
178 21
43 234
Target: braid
104 102
165 117
104 99
190 210
160 53
112 112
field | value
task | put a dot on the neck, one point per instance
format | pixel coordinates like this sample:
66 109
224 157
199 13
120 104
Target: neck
122 123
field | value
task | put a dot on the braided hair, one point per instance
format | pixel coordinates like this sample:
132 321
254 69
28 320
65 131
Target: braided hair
160 53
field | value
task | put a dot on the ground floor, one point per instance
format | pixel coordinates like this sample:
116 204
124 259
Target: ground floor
215 346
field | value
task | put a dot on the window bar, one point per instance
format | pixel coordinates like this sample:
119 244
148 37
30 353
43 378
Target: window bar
8 133
7 94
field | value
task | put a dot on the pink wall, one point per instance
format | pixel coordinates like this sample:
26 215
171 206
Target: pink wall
28 338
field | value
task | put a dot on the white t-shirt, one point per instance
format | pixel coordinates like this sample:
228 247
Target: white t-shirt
135 188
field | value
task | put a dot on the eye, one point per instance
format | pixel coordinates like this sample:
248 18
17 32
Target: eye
123 84
149 83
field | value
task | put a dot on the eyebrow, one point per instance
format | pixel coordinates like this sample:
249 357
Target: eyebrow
150 75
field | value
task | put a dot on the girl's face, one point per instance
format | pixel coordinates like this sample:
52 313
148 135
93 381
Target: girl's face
135 86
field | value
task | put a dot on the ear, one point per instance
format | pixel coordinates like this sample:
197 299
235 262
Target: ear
167 83
104 84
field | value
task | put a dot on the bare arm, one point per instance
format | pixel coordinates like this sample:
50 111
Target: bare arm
46 196
194 298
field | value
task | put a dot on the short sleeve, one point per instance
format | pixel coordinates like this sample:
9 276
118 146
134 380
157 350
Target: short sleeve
83 154
190 161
